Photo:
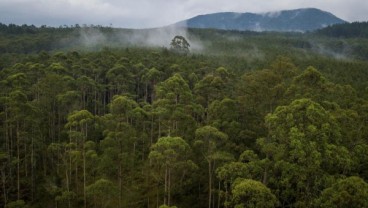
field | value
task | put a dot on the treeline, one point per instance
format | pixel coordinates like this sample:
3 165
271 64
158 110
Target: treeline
145 128
13 29
346 30
28 39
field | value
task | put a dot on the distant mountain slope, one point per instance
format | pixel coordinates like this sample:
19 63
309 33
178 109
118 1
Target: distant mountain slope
287 20
347 30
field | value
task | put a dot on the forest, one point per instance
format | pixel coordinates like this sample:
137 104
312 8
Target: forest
94 116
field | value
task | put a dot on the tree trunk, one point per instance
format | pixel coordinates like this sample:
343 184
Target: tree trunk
209 183
4 187
159 127
84 178
18 162
169 189
157 195
67 185
70 156
84 166
32 169
226 192
120 176
165 194
219 197
151 131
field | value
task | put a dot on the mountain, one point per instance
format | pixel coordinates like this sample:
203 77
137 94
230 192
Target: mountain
287 20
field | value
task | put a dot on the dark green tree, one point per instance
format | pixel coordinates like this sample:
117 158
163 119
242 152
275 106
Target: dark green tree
180 45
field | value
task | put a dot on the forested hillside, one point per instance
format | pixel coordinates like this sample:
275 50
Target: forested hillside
244 120
302 20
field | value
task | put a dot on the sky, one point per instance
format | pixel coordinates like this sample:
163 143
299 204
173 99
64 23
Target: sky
157 13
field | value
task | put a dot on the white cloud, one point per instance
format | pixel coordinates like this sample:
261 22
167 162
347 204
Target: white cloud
155 13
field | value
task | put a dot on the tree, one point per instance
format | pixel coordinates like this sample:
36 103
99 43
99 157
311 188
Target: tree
78 125
119 143
210 88
174 105
348 192
170 153
180 45
252 194
102 192
209 139
304 147
248 166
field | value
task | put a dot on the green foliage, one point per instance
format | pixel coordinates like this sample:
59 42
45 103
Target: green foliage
165 206
140 127
16 204
304 140
349 192
102 192
355 29
169 150
250 193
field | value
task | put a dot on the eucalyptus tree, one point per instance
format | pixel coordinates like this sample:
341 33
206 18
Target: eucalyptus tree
248 166
103 193
79 124
121 79
252 194
209 140
151 78
170 156
119 143
180 45
348 192
175 107
304 146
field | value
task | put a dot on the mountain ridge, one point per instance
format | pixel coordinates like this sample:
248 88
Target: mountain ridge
302 20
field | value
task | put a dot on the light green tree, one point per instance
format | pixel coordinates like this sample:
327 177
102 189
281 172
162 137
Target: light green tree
102 192
174 107
348 192
170 154
253 194
79 124
303 142
209 140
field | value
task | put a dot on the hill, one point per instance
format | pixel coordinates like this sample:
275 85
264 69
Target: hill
287 20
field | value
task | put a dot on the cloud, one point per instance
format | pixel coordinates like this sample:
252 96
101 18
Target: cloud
148 13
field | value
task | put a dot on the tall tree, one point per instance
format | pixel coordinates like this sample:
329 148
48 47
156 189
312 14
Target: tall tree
171 155
348 192
304 146
209 140
79 124
252 194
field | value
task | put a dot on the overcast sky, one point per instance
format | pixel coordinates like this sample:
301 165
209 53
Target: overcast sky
155 13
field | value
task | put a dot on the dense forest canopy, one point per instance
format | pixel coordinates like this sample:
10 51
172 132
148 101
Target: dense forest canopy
95 116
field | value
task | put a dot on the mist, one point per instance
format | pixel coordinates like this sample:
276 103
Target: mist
343 51
94 38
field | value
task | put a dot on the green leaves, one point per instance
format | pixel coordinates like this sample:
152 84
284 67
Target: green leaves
252 194
349 192
169 151
102 192
79 118
304 140
122 106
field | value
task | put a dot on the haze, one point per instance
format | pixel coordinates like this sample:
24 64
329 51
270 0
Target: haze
148 13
